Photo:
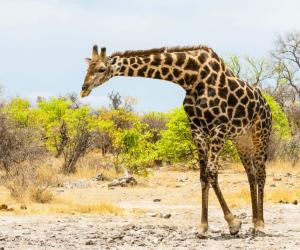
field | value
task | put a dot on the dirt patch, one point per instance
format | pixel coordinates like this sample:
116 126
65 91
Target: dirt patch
146 232
161 212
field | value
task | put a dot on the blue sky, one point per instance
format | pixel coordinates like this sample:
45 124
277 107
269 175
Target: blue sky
43 43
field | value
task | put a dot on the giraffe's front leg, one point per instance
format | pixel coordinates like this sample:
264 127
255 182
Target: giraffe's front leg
212 172
202 148
261 178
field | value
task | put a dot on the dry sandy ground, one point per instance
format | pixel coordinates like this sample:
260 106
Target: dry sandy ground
145 232
179 195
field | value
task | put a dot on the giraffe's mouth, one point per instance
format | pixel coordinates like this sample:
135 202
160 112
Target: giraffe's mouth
83 94
85 91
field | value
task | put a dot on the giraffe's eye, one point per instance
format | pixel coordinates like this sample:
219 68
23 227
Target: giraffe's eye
101 70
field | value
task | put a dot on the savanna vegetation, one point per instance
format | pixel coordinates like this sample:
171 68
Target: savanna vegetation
41 143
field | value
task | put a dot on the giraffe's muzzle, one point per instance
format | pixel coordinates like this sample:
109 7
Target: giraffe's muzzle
85 91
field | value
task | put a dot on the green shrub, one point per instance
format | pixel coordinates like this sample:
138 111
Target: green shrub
280 123
176 143
134 150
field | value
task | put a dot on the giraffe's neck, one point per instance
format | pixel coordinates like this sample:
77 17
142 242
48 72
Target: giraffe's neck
182 68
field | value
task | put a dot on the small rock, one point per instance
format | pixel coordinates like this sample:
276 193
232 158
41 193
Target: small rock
23 207
152 214
90 243
295 202
283 202
3 207
201 236
182 179
167 216
215 230
100 177
155 241
242 215
157 200
123 181
272 185
288 175
277 179
260 233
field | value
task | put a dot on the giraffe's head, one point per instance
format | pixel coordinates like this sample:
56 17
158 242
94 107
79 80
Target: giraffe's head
98 71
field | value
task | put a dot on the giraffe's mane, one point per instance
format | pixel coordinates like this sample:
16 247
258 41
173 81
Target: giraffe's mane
129 53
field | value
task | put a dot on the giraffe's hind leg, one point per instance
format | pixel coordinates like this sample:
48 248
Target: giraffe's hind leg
244 146
261 178
260 135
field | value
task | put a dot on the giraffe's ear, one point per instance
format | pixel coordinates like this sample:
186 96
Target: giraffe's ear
95 52
88 60
103 52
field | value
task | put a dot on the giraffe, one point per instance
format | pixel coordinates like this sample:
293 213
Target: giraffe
219 106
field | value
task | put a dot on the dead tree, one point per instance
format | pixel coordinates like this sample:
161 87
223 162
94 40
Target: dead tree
115 99
18 144
62 140
76 147
286 56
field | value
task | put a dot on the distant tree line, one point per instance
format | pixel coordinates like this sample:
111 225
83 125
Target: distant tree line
63 127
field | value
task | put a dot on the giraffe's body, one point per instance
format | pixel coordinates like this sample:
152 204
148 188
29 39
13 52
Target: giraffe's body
219 106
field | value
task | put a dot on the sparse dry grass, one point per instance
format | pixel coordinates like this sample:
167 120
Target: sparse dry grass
173 187
280 166
235 167
159 179
285 189
30 183
238 198
90 172
288 195
66 203
94 208
242 197
92 165
66 208
277 195
39 195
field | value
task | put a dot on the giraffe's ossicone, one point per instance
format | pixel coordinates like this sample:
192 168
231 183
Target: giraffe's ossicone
219 106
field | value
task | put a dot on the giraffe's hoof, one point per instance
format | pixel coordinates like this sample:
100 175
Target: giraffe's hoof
256 231
235 226
203 228
259 226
